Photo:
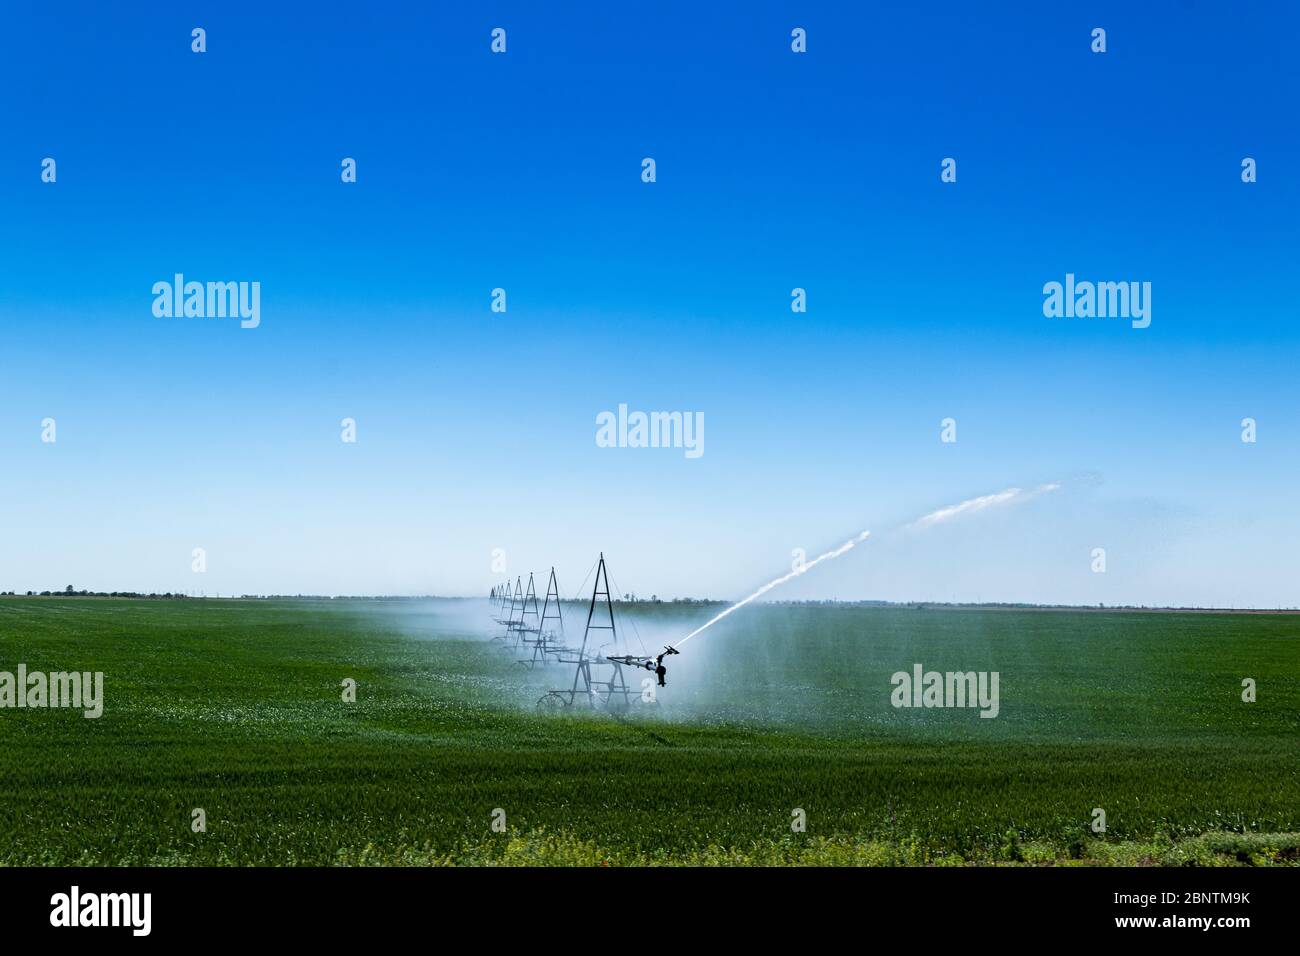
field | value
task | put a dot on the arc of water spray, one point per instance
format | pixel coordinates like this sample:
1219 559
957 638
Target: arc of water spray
802 569
934 517
972 505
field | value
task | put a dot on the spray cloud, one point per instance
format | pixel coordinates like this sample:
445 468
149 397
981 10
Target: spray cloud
940 516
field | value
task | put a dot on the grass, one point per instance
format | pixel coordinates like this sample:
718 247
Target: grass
236 707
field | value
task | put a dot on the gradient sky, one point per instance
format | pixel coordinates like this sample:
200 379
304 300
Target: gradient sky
775 170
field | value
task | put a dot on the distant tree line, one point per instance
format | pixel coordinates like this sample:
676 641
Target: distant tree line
69 591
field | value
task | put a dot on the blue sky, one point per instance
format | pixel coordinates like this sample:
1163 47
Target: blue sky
775 170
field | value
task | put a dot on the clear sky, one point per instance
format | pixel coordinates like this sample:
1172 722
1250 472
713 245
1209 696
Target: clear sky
775 170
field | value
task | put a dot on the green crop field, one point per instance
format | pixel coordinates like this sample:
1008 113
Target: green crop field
236 707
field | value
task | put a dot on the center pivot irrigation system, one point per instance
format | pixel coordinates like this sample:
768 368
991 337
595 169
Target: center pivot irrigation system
598 680
536 639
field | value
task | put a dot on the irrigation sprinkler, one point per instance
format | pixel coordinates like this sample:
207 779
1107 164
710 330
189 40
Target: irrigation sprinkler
598 681
653 664
549 640
508 622
506 599
524 627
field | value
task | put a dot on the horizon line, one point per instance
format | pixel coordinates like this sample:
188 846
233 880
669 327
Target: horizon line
809 602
